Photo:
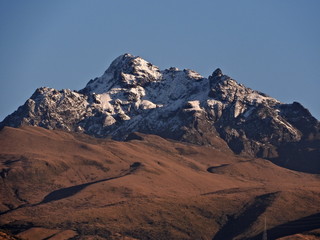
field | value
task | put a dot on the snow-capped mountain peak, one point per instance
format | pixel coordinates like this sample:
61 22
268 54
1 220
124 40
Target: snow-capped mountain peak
126 70
135 95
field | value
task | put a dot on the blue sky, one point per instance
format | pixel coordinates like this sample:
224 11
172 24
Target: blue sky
271 46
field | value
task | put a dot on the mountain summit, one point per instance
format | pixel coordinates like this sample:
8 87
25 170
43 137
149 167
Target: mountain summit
134 95
125 71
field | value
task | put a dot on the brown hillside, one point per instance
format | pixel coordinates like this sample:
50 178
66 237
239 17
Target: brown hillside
76 186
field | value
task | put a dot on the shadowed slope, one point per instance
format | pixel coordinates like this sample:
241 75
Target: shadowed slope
297 226
70 191
241 221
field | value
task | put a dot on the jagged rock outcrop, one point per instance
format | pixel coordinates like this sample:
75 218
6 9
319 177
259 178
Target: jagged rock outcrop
133 95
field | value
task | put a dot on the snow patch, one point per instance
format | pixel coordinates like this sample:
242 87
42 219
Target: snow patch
146 104
109 120
193 74
193 106
146 69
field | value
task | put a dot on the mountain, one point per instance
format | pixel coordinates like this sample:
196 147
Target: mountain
60 185
134 95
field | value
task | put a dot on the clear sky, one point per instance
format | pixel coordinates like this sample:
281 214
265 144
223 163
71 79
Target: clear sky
272 46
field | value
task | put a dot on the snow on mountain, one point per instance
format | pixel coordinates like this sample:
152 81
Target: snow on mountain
135 95
124 71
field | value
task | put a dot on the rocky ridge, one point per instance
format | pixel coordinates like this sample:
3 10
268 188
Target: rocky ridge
134 95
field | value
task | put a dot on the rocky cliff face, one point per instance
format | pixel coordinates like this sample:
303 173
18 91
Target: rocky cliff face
134 95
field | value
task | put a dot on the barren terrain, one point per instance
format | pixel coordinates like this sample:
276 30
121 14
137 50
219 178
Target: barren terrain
58 185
